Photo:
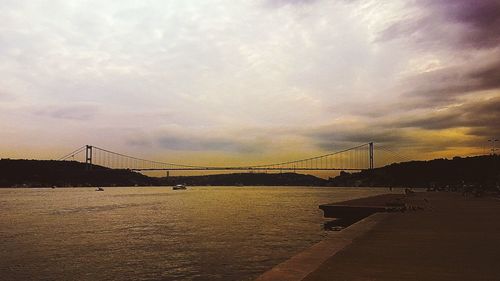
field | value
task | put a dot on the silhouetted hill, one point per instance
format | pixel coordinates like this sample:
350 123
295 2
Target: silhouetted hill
479 170
287 179
46 173
36 173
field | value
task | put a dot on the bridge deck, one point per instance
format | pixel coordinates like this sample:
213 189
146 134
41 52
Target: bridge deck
244 169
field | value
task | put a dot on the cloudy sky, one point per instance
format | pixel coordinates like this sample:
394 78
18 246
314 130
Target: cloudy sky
248 81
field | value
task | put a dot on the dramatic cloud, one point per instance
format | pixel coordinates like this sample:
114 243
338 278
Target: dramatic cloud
480 19
248 80
451 82
348 133
455 23
480 117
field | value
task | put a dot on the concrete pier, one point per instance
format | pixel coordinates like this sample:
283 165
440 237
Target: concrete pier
450 238
358 214
304 263
348 212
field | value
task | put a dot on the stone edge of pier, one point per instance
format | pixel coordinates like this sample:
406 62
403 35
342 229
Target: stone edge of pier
302 264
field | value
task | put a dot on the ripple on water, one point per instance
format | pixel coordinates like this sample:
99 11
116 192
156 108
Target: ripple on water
205 233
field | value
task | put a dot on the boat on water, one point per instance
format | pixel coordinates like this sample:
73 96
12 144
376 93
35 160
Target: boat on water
99 189
179 187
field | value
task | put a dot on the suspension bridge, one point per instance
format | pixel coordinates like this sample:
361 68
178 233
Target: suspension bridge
356 158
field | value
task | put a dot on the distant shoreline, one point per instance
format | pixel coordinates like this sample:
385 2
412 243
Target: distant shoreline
480 172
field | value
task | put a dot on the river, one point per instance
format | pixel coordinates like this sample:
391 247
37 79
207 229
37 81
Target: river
155 233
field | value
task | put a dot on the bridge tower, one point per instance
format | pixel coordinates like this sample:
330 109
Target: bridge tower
88 156
371 155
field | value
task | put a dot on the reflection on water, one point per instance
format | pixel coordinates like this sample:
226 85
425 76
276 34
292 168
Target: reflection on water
204 233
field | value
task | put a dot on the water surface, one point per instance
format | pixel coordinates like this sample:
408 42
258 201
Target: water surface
137 233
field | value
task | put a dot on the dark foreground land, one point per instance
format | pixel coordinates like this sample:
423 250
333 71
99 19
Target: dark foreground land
453 238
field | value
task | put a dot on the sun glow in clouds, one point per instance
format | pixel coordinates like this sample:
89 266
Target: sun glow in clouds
256 80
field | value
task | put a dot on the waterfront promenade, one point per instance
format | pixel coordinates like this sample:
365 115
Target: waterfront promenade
453 238
449 238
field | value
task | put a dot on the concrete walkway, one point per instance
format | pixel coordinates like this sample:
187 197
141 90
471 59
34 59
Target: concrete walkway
302 264
452 239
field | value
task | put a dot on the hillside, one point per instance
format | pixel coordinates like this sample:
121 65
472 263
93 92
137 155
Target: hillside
40 173
46 173
479 170
286 179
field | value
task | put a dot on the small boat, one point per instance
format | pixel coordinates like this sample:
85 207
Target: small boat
179 187
99 189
